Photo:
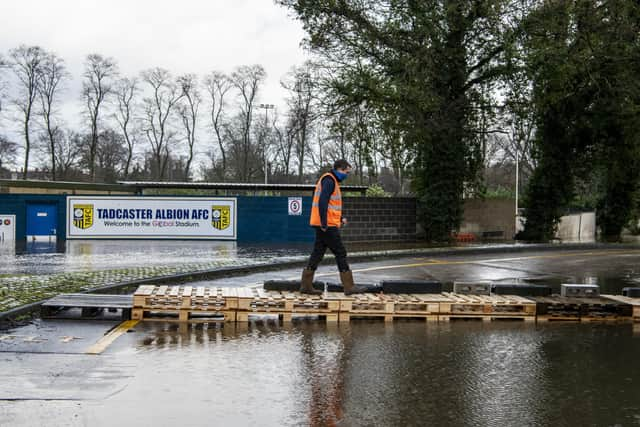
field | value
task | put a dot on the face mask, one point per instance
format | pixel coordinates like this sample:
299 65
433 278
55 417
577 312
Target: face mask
341 176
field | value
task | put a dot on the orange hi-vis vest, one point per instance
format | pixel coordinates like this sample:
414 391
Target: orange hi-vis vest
334 210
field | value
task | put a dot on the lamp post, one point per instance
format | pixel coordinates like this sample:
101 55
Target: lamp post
517 186
266 108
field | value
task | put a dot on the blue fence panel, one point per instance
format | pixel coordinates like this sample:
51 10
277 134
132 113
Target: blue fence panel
16 204
267 219
260 219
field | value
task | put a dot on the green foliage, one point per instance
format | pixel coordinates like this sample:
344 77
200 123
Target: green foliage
583 59
428 69
418 65
499 193
376 190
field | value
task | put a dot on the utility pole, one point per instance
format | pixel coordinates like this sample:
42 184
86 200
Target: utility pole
266 108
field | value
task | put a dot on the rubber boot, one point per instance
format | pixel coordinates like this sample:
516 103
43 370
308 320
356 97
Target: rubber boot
346 277
306 283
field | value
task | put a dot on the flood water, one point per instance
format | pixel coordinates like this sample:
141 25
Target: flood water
43 257
375 374
85 255
363 373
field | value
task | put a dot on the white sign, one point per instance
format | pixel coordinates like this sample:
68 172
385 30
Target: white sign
7 228
295 205
113 217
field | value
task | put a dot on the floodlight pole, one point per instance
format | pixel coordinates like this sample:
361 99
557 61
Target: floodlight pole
266 108
517 186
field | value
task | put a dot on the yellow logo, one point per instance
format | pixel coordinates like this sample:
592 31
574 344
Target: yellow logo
83 216
220 217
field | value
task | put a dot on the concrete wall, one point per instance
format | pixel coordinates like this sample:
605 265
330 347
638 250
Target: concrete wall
579 227
489 216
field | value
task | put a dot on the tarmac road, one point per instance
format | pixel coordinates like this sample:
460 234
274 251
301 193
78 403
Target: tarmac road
612 269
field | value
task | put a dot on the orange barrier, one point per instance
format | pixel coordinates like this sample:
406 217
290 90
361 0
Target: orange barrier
464 237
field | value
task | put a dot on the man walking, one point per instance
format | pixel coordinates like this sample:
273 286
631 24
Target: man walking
326 219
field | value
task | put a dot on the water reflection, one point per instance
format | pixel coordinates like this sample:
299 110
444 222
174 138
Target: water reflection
41 257
408 373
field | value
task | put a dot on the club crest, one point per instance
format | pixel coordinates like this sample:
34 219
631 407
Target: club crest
83 216
220 217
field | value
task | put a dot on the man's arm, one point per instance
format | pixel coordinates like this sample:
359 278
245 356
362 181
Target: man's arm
323 204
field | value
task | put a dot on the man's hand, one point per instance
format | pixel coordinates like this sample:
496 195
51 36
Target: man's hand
324 229
344 221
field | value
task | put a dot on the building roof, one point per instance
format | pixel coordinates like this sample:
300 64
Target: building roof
140 186
237 186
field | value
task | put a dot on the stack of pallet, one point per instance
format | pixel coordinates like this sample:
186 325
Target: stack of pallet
391 306
634 303
186 303
583 309
487 307
253 301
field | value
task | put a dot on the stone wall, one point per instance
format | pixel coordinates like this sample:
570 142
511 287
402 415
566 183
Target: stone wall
379 219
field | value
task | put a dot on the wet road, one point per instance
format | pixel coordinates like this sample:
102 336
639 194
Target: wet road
611 269
359 374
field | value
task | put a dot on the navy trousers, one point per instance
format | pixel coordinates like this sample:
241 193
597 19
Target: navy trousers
328 239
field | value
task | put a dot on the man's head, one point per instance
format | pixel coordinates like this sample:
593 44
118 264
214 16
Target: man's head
341 169
342 165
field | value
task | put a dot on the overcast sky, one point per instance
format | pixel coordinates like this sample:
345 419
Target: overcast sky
194 36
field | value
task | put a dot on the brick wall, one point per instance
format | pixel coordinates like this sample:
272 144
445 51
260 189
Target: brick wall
379 219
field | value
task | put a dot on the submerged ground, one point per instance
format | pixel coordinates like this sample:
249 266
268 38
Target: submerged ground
363 373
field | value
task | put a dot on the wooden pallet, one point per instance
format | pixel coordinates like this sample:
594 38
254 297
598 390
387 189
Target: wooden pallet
345 317
487 305
415 304
486 318
90 305
258 300
581 309
373 305
285 316
187 303
183 315
633 302
206 299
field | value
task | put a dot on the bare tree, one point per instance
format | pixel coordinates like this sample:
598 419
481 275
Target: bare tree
300 84
26 63
99 77
188 110
158 111
126 91
51 77
247 80
284 140
110 155
3 86
8 151
7 148
68 152
217 85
